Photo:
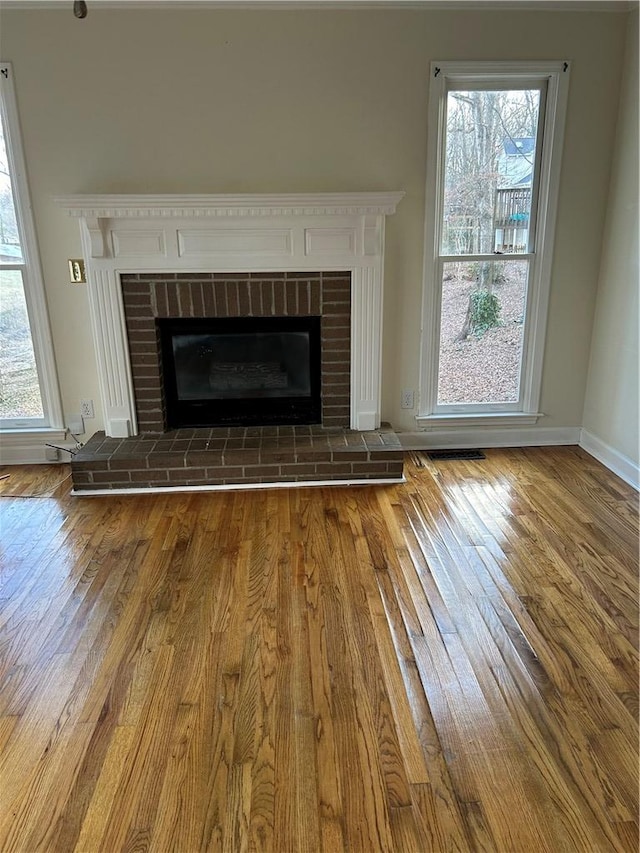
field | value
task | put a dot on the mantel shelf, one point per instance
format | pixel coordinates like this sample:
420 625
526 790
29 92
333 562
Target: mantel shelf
265 204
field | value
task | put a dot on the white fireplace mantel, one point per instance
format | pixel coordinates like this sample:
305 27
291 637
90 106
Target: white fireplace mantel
232 233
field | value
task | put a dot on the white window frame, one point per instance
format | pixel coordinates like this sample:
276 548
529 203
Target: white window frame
31 274
552 119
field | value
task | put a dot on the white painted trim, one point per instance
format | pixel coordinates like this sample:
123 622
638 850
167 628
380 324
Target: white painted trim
489 419
112 350
215 206
31 268
622 465
28 447
453 439
555 74
431 289
232 233
539 286
234 487
366 349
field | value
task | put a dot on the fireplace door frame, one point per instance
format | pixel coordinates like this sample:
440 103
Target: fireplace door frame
219 411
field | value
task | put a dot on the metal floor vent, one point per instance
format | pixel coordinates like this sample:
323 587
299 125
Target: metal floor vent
455 454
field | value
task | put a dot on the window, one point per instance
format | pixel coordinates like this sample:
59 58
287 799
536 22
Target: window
29 397
495 139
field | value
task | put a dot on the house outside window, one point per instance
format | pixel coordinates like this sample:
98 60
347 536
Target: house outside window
495 141
29 395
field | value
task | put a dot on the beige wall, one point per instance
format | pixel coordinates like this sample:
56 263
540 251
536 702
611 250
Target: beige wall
611 406
295 101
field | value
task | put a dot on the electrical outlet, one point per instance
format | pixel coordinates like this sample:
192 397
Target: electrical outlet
407 399
76 425
86 409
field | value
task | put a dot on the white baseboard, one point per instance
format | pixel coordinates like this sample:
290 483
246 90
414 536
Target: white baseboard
31 447
465 438
625 468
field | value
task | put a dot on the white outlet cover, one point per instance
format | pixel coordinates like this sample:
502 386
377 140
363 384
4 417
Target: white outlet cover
86 409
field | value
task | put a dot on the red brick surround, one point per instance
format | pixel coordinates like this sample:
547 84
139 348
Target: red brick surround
161 295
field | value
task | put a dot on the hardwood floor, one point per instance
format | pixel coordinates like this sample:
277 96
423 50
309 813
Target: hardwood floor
445 665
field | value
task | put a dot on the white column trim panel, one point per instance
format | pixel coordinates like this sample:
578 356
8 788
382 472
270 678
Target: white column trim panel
112 350
108 326
366 349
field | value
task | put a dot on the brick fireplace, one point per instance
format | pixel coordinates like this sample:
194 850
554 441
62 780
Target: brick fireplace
150 258
149 297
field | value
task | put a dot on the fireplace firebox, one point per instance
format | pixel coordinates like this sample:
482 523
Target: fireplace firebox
241 371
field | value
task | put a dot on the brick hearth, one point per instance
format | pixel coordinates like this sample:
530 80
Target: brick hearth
237 457
158 458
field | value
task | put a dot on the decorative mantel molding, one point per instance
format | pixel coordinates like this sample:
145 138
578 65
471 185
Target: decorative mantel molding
232 233
262 204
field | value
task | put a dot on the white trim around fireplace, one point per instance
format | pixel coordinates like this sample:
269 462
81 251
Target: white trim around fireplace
232 233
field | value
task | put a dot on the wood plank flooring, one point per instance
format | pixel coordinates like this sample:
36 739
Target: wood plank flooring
444 665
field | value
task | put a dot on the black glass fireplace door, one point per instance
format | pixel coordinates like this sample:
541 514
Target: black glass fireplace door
241 371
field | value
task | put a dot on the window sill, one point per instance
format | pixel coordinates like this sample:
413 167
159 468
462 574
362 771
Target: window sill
489 419
33 434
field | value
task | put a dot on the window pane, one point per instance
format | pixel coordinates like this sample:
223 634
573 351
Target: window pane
488 172
10 250
481 332
19 388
